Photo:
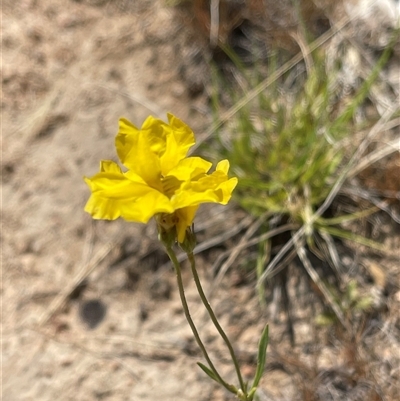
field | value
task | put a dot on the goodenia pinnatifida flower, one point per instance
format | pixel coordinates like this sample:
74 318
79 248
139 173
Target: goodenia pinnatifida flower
161 180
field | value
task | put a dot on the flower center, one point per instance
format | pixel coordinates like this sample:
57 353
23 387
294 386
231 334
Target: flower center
170 184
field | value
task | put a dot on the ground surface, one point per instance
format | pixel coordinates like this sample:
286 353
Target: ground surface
87 311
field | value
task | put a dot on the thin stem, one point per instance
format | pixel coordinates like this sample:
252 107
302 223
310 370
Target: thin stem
177 266
215 321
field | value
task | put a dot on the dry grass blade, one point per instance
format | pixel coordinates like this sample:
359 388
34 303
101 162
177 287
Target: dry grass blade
334 191
245 243
366 55
270 234
250 231
219 239
273 77
380 96
346 142
301 252
334 257
299 38
214 22
373 157
382 205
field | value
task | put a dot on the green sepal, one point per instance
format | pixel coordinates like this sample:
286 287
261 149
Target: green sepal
189 243
262 355
208 371
167 237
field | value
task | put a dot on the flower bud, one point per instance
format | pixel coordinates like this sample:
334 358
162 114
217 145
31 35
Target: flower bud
189 243
166 229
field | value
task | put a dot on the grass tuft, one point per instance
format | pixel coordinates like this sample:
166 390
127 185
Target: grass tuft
288 146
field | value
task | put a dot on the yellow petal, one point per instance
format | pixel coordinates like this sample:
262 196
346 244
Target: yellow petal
210 182
125 138
139 210
185 220
153 128
134 150
190 168
214 188
189 197
114 195
227 188
108 166
183 134
171 157
156 131
115 185
223 166
179 138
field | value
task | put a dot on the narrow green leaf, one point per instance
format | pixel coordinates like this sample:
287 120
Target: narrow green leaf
262 355
208 371
337 232
252 393
348 217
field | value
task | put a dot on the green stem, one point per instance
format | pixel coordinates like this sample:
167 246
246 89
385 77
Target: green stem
177 266
215 321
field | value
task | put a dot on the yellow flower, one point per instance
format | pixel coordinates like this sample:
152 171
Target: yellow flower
160 181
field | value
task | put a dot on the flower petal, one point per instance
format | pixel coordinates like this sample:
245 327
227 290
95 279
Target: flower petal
156 131
114 195
190 168
179 138
214 188
183 134
139 210
227 188
108 166
223 166
135 152
125 138
185 220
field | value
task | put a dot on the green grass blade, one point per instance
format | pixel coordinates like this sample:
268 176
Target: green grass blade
261 358
365 88
337 232
208 371
347 218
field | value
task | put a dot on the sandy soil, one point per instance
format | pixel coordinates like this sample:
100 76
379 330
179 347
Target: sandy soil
90 309
84 314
